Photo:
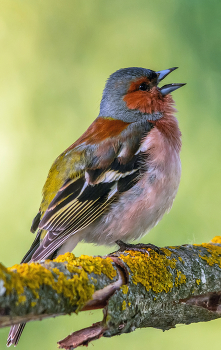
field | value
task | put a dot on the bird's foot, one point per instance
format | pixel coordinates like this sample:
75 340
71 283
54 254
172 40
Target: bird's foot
140 247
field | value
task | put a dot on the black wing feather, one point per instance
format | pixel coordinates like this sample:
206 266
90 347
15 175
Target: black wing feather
35 222
76 198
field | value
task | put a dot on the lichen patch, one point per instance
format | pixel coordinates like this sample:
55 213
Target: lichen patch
214 254
216 239
90 264
76 286
124 288
153 270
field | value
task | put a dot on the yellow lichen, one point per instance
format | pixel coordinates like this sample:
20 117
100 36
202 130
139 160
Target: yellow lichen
77 289
214 256
21 299
180 259
167 252
124 305
33 303
90 264
198 281
153 270
129 304
124 289
181 278
216 239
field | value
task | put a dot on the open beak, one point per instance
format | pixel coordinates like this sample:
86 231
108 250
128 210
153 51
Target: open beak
166 89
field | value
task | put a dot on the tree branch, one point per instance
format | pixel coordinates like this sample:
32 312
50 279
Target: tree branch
135 289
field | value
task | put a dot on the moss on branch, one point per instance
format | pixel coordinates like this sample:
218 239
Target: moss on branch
182 285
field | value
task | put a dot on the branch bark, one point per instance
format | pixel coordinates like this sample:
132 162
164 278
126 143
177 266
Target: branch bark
134 289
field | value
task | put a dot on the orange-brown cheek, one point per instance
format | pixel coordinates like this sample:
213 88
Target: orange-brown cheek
147 102
138 100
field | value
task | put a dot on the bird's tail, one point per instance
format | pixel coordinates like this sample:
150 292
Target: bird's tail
15 333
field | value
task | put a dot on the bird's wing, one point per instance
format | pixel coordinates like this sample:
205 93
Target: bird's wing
116 166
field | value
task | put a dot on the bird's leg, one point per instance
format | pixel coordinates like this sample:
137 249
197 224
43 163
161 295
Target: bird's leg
140 247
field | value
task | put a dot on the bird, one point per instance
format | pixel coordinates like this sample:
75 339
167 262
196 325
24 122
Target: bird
119 178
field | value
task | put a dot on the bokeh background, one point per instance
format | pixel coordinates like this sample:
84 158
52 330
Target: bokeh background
54 59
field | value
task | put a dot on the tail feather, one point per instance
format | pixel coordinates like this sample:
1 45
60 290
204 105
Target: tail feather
14 334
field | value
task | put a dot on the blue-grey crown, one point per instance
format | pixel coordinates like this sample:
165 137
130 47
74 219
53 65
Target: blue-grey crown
125 75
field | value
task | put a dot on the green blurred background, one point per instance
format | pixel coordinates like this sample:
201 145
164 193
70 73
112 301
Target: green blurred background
54 59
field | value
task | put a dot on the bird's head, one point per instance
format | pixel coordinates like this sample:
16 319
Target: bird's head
132 94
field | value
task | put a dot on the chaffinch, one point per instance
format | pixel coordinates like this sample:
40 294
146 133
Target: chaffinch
119 178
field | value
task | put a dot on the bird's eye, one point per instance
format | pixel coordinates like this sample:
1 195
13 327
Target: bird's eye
144 87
